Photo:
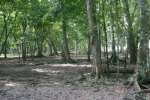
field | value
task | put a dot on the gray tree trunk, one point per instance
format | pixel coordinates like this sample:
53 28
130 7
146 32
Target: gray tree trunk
89 48
91 10
24 26
131 38
66 55
144 38
105 33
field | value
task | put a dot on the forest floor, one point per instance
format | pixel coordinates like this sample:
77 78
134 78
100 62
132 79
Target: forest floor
48 78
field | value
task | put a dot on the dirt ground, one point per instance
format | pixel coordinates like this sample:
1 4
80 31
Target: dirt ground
49 79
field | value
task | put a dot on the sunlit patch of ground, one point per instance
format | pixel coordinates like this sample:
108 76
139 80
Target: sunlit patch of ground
46 71
70 65
12 84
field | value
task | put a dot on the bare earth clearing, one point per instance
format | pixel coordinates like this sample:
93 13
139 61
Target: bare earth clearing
50 79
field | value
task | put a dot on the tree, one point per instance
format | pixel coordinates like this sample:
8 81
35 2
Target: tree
131 37
91 13
112 18
105 30
144 36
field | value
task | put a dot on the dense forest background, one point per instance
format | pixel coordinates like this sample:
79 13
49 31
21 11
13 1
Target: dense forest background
106 32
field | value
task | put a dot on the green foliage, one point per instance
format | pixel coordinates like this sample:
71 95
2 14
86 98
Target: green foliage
42 21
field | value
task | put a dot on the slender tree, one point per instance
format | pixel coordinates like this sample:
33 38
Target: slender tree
112 18
132 48
91 13
105 31
145 31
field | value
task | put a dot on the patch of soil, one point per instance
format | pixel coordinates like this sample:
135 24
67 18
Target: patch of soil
48 79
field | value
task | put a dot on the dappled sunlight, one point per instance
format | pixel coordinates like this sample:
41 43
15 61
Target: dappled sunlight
56 83
86 74
54 72
11 84
70 65
46 71
39 70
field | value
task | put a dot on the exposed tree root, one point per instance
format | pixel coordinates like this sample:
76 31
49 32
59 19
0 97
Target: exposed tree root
133 81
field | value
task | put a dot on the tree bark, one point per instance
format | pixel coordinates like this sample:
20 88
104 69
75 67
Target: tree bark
66 55
40 39
54 48
114 55
91 10
24 26
89 48
131 38
144 38
105 33
4 45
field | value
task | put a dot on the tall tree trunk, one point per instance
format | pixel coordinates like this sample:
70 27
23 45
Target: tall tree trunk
65 47
144 39
91 10
40 46
144 70
76 47
5 34
40 40
89 48
105 32
66 55
40 50
6 37
131 38
50 49
114 55
24 26
54 48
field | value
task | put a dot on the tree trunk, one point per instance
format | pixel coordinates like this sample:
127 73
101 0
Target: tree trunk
66 55
91 10
6 37
105 33
54 48
24 51
40 54
40 40
131 38
50 49
114 55
24 26
40 47
89 48
144 39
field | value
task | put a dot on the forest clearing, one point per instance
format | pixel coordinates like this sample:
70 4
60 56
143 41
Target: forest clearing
48 78
74 49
